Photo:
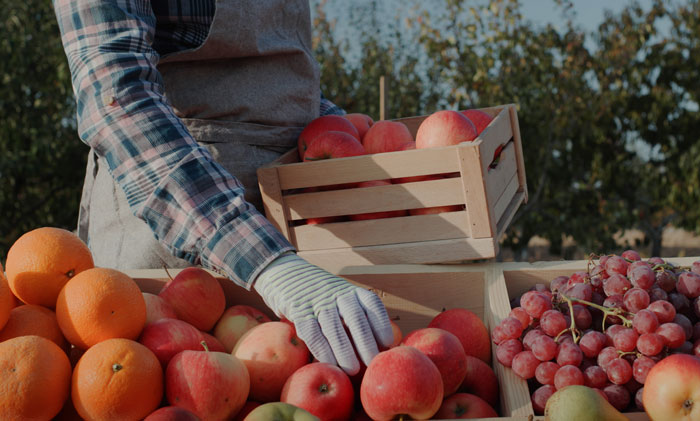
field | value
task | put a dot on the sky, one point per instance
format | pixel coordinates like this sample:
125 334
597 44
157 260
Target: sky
589 13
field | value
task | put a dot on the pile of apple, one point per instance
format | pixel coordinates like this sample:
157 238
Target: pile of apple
334 136
237 363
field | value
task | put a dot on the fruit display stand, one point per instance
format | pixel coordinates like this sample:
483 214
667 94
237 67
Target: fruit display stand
489 190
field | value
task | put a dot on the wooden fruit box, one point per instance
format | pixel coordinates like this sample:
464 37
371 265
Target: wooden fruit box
413 295
489 191
510 280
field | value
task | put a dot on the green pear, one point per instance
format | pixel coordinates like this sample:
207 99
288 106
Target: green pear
580 403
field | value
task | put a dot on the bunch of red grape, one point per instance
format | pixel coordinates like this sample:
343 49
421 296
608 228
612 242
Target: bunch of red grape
604 328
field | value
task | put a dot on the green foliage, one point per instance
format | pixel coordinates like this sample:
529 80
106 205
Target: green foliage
41 159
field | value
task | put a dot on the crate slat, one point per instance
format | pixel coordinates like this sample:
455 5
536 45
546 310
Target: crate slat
498 178
444 226
507 195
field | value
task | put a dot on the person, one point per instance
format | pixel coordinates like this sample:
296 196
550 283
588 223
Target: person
180 103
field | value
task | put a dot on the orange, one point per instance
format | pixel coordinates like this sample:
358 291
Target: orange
7 299
35 380
30 319
99 304
117 379
41 261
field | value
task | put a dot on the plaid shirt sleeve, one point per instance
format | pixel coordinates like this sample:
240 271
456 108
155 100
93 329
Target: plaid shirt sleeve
193 206
327 107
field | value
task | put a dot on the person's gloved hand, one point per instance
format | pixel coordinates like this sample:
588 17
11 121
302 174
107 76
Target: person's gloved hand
318 302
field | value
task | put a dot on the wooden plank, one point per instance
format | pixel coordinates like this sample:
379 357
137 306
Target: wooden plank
273 202
442 192
481 218
498 178
449 225
378 166
420 252
498 132
515 396
509 213
518 150
500 206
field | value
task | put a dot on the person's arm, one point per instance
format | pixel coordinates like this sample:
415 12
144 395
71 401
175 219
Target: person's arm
194 207
328 107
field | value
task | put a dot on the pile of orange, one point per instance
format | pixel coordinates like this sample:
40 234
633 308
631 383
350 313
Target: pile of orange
55 304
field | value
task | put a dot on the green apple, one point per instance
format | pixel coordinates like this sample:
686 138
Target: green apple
279 411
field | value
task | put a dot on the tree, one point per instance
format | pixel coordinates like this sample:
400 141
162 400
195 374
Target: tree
42 162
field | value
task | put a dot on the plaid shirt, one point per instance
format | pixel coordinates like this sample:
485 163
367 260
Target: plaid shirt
194 207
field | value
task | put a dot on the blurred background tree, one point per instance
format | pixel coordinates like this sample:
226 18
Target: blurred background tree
609 118
42 162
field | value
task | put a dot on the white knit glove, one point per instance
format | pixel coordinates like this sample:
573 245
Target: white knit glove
318 303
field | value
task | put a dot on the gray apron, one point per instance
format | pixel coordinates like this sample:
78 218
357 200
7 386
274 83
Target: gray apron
245 94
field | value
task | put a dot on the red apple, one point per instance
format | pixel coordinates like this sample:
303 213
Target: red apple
271 351
436 209
247 409
157 308
376 215
323 124
212 343
479 118
445 351
322 389
417 178
196 296
672 389
407 146
212 385
398 334
444 128
401 381
330 145
386 136
280 411
324 220
465 406
168 337
236 321
171 413
481 381
362 122
468 328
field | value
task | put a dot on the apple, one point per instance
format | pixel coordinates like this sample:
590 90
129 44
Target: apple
196 296
212 385
445 351
324 220
171 413
237 320
212 343
401 381
330 145
376 215
362 122
407 146
323 124
168 337
481 381
247 409
271 351
468 328
435 210
465 406
672 389
479 118
444 128
157 308
386 136
322 389
280 411
398 334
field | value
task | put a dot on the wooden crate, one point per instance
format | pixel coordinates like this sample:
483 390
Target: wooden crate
509 280
413 295
489 193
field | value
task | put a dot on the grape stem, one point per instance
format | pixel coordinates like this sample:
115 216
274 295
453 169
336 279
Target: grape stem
575 333
607 311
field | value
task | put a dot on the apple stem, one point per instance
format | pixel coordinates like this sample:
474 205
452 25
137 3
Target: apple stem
204 345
